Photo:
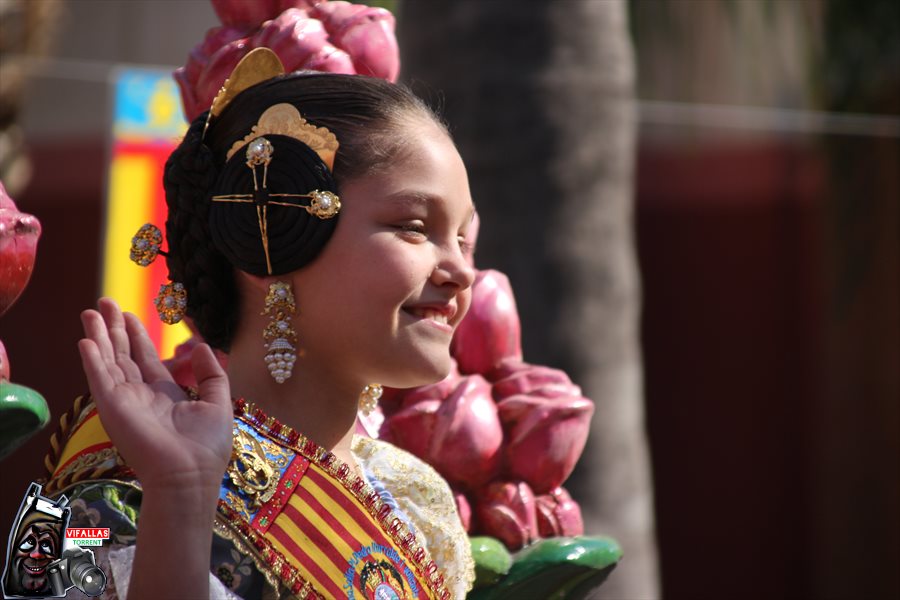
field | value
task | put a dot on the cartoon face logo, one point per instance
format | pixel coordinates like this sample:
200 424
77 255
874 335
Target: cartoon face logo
40 561
37 544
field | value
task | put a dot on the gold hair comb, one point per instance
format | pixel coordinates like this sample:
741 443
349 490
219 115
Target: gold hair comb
259 65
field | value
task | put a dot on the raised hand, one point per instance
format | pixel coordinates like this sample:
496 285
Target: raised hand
170 440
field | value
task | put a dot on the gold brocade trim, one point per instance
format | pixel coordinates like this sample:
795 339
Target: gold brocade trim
90 460
406 541
87 407
105 463
68 422
101 464
251 469
237 505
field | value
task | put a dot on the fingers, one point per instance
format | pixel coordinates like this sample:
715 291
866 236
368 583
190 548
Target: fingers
95 331
121 347
95 369
211 379
143 352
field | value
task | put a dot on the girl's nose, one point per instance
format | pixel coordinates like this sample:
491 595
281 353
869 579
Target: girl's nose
454 269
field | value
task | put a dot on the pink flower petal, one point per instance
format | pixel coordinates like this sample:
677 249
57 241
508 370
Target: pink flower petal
490 332
507 511
465 447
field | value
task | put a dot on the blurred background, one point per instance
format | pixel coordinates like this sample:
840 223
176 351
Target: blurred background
697 203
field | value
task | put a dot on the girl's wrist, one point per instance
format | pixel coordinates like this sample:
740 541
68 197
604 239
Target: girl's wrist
188 483
192 498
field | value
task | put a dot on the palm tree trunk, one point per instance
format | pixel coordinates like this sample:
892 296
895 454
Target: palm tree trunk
540 98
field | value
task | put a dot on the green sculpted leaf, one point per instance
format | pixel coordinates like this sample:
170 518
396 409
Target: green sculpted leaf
492 560
23 412
555 569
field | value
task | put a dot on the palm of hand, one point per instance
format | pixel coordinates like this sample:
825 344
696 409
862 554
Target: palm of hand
166 437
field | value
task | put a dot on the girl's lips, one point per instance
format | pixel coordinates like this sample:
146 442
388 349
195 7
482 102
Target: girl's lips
439 318
429 313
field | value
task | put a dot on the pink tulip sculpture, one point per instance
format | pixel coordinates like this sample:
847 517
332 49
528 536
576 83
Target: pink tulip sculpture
22 410
19 233
336 37
504 433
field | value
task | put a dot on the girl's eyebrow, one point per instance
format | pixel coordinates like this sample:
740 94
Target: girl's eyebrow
411 197
418 198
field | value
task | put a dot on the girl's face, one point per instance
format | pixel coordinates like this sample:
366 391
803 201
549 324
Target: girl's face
382 301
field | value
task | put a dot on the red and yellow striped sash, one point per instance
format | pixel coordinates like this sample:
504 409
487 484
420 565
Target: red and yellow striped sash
332 535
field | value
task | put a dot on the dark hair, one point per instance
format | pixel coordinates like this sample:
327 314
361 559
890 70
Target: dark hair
208 240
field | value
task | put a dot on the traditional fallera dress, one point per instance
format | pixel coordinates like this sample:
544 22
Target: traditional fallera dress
293 521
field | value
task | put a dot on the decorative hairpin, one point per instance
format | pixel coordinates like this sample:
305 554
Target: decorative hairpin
145 244
285 119
171 301
322 203
257 66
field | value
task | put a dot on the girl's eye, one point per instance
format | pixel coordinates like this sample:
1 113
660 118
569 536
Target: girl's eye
464 246
413 228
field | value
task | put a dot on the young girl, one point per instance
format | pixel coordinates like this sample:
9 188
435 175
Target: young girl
317 227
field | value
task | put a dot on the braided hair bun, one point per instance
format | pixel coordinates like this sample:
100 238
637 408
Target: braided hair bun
294 236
